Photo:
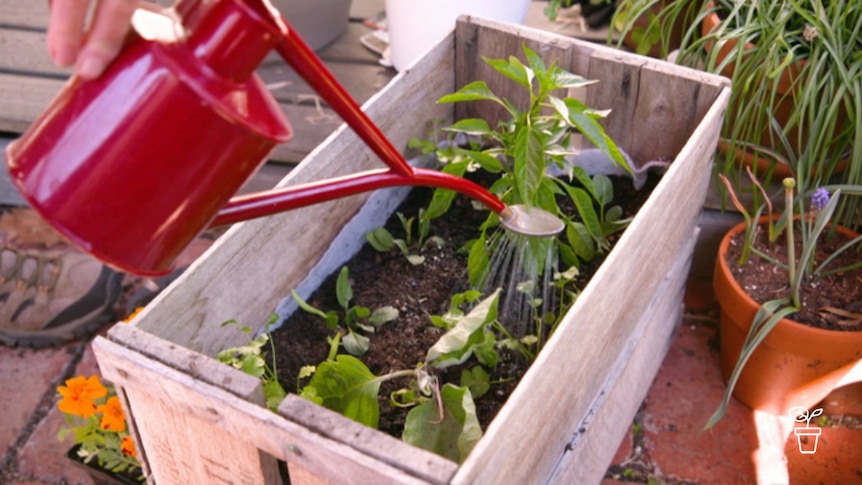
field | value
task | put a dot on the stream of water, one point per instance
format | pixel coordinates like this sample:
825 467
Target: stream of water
523 268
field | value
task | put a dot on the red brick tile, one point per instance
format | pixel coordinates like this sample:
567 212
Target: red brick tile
837 459
699 295
844 401
43 455
685 393
25 378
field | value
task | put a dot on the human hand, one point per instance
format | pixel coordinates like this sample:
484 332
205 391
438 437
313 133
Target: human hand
91 50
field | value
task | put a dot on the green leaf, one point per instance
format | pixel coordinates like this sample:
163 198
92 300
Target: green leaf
442 198
331 318
478 262
584 204
355 344
346 386
567 254
343 291
584 119
485 350
477 380
456 345
581 242
470 126
380 239
564 79
475 91
766 318
513 70
253 365
529 153
404 398
452 435
306 307
604 189
383 315
274 394
437 240
415 259
536 63
485 160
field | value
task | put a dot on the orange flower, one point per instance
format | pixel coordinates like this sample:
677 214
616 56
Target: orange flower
133 315
79 394
127 446
112 415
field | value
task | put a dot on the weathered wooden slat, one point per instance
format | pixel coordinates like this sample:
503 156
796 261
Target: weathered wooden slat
24 51
423 464
596 438
208 435
24 13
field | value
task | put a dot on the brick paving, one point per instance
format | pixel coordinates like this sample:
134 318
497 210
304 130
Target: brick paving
668 444
663 446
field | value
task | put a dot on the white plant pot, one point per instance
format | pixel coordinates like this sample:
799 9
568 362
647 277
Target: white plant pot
416 25
318 22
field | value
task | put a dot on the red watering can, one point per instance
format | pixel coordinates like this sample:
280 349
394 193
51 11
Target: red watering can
134 165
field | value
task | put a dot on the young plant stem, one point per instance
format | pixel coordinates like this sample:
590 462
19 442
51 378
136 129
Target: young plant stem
789 184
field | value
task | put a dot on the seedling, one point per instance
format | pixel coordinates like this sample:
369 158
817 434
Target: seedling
383 241
442 420
249 359
351 319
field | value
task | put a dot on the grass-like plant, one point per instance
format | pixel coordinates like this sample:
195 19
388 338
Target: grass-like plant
805 53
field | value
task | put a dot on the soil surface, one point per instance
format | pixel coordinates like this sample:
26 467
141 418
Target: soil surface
417 292
832 302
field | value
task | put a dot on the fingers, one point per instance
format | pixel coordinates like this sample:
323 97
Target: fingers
66 29
110 24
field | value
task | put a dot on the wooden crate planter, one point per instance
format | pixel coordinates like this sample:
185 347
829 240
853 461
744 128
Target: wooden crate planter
199 421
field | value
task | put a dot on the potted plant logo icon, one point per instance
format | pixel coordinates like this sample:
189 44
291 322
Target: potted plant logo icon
801 414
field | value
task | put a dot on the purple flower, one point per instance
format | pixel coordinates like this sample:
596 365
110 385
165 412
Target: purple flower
819 199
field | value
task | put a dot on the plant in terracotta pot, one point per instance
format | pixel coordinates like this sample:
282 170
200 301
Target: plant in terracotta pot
791 303
794 72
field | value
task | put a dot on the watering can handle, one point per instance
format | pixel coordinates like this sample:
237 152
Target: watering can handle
298 55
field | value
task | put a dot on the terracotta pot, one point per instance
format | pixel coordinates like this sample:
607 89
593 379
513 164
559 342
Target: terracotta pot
796 365
783 107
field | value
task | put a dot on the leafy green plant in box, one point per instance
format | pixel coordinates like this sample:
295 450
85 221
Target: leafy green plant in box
382 240
521 149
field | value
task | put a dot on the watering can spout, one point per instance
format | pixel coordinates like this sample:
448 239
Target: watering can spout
132 166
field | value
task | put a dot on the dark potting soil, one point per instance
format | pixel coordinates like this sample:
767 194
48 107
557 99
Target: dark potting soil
823 300
417 292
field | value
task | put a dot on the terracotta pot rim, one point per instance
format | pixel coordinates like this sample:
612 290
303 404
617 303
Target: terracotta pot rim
807 330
